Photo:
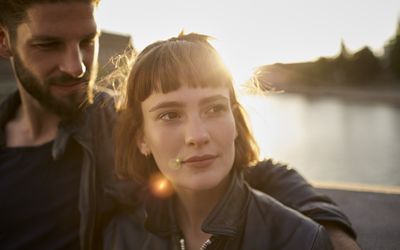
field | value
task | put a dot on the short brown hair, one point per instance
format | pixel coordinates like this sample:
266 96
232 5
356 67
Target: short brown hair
164 66
13 12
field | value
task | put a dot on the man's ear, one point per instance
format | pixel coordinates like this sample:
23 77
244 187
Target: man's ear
5 46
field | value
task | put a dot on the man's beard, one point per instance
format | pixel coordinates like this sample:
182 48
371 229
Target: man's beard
69 106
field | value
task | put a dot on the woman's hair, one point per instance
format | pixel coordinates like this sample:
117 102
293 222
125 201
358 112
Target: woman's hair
165 66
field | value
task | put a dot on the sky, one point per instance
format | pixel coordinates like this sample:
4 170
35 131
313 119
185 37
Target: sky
251 33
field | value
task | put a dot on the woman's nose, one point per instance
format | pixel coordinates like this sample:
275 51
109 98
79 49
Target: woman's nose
196 132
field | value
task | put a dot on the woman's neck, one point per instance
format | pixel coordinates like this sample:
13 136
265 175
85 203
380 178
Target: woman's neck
193 207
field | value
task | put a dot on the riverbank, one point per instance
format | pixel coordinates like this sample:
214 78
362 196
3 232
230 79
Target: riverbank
388 92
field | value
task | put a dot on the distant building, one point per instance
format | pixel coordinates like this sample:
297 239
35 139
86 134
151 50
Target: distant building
111 44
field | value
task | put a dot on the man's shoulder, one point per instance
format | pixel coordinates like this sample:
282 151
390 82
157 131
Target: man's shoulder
103 103
101 113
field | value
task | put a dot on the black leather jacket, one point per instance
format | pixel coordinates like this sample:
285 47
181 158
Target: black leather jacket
243 219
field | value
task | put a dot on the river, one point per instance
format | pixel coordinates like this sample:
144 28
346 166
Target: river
330 139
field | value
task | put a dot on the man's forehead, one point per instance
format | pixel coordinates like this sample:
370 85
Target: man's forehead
64 17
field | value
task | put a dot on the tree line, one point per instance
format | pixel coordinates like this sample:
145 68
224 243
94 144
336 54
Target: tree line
363 65
359 68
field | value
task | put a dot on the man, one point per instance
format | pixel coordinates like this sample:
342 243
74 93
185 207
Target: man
56 156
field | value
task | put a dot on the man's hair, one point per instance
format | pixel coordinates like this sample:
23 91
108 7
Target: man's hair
164 66
13 12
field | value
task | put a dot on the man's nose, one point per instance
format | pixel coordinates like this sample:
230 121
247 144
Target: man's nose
72 62
196 132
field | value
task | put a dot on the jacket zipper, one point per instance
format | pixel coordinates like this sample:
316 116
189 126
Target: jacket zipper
205 245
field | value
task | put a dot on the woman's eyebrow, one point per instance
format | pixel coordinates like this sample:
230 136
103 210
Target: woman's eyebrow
162 105
175 104
214 98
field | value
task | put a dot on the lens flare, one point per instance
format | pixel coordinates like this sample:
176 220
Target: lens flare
160 186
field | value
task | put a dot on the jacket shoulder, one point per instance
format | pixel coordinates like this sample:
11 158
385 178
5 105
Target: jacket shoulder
126 231
272 225
290 188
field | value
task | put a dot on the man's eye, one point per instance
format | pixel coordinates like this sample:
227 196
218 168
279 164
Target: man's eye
168 116
49 45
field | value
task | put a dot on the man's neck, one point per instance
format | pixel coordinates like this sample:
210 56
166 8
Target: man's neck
32 124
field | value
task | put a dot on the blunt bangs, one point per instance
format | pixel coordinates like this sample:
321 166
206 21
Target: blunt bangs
169 66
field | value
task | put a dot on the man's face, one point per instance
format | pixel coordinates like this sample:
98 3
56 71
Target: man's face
55 55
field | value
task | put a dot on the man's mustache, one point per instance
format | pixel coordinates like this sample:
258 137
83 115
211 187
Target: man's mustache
66 79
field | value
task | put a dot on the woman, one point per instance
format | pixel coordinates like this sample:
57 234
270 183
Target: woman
182 126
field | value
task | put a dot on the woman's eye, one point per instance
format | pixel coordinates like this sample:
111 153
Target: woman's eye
216 109
169 116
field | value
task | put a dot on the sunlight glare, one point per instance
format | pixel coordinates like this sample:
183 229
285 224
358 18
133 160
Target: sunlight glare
269 127
241 69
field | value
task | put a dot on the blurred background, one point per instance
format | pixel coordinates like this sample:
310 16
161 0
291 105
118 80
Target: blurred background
334 65
337 62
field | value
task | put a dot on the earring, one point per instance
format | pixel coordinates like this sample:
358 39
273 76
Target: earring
175 164
147 154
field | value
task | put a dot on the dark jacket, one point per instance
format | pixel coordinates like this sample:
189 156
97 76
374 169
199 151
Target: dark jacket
92 132
101 194
243 219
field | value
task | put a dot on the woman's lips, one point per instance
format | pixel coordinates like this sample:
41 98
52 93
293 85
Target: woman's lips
199 161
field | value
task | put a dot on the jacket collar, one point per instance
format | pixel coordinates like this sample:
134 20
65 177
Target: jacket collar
8 108
226 219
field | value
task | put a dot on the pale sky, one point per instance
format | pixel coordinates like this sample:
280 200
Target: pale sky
250 33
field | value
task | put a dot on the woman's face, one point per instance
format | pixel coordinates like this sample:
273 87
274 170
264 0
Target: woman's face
195 126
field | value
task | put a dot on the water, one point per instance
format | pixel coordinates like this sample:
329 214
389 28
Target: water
329 138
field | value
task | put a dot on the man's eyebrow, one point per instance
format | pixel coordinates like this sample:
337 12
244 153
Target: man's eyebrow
56 38
44 38
93 35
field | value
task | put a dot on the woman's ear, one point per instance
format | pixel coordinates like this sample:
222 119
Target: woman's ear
5 50
142 144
